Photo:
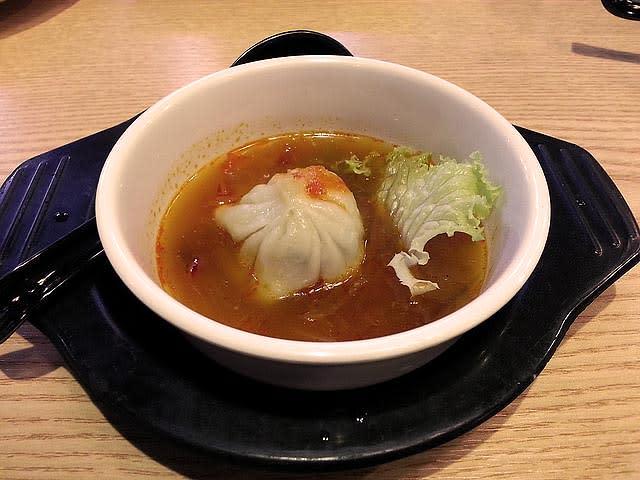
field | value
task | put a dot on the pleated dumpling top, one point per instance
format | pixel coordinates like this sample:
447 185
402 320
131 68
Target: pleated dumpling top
301 229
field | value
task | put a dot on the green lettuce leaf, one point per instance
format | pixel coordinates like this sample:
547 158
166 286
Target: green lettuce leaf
425 199
354 165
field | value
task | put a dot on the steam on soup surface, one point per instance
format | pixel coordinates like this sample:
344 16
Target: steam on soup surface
201 266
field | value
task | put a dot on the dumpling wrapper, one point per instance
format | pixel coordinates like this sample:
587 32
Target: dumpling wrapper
300 228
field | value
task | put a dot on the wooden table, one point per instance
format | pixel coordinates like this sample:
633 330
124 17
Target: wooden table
569 69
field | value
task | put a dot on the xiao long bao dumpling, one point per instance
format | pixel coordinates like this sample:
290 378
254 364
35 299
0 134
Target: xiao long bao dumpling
301 228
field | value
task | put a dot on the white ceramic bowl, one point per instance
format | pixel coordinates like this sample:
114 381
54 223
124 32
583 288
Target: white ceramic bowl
183 131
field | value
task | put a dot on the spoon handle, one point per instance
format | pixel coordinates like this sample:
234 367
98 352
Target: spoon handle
29 286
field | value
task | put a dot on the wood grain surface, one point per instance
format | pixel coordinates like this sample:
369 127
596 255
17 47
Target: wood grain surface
565 68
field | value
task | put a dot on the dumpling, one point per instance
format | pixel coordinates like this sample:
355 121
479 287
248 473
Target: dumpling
300 228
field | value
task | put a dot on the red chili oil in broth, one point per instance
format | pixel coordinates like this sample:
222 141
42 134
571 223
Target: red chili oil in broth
199 265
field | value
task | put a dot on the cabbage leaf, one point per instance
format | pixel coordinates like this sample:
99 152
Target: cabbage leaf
425 199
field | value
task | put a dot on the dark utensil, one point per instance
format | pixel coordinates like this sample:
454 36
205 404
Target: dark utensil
627 9
34 283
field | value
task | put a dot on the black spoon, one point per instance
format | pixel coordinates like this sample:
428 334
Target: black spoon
33 283
627 9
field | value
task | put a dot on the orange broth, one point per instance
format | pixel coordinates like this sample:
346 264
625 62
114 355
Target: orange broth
198 262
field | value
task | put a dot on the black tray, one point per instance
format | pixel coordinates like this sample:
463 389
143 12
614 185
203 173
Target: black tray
144 377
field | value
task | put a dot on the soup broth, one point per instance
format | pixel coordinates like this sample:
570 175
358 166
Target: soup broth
199 264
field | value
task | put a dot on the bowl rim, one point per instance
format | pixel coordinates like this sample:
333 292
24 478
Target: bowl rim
322 353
